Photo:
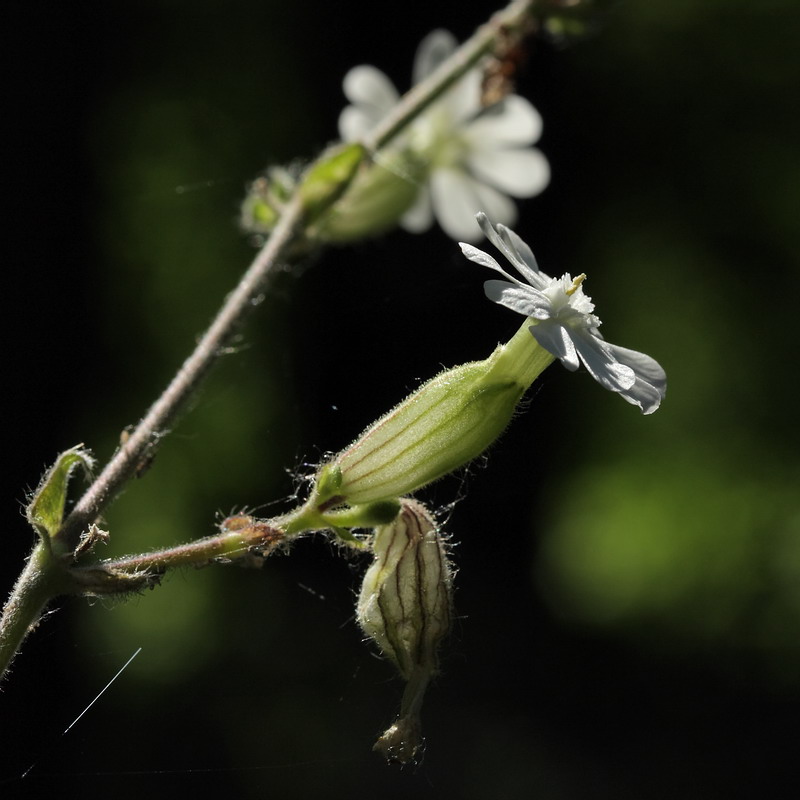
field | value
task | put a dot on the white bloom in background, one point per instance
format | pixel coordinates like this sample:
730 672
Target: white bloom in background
474 157
562 321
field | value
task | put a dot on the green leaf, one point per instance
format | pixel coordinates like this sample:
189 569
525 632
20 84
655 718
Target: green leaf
46 509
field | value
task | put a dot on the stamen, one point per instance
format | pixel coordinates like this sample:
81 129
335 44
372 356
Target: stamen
576 284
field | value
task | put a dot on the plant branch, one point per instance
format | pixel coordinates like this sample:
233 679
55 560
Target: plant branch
125 462
163 412
232 543
517 15
44 575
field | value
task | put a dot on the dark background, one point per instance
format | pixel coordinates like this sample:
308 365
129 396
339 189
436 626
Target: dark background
628 593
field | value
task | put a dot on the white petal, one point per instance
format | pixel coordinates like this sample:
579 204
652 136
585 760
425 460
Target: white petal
555 339
644 395
419 217
455 204
367 86
498 207
650 386
525 260
355 122
463 101
433 49
643 365
594 354
522 299
484 259
513 121
494 235
520 173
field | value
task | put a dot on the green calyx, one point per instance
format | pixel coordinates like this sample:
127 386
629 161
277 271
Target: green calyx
328 178
445 424
381 192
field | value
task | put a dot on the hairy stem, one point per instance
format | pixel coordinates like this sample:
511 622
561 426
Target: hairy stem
228 544
125 462
34 588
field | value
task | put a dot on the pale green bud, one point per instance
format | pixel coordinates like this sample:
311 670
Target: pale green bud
320 186
446 423
328 177
380 193
266 198
405 607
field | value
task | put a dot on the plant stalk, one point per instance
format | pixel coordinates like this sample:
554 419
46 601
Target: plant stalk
37 584
44 576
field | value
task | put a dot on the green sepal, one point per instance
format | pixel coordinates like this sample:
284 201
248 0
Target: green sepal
45 512
259 215
328 178
329 482
347 537
266 198
375 201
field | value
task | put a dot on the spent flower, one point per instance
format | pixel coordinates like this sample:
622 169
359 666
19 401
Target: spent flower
462 156
563 322
404 607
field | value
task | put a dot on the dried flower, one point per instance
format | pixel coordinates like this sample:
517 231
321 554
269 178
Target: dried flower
404 607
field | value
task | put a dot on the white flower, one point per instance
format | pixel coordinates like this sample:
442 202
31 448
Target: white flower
562 321
473 157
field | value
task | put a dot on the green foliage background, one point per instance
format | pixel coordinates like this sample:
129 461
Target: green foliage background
628 586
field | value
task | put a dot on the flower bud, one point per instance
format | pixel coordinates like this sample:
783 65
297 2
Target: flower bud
328 177
404 607
446 423
319 188
266 198
380 193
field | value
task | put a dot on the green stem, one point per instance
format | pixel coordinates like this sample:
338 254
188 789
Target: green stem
38 583
237 306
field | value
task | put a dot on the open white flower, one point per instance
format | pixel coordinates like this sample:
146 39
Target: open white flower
473 157
562 321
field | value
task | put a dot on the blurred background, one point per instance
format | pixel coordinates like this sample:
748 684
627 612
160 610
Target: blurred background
628 593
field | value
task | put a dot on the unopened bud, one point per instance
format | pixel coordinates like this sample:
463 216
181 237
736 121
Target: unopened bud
328 177
266 198
380 193
346 195
404 607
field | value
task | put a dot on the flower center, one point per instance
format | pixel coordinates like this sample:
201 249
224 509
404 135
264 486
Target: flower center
435 138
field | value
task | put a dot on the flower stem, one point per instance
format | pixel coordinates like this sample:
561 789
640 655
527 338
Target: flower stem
228 544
